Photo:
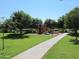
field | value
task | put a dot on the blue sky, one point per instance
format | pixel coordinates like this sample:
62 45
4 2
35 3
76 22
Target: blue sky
38 8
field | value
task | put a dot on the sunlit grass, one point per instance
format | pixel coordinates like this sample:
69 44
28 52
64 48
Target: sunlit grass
64 49
16 46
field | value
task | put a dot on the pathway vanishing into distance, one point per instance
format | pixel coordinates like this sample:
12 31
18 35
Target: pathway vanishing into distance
38 51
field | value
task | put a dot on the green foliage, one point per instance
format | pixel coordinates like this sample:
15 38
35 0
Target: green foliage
50 23
35 22
21 20
0 27
72 20
60 22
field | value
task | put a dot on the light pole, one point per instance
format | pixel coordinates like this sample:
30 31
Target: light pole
2 33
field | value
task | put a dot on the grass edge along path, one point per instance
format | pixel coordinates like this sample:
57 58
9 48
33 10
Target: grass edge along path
16 46
64 49
38 51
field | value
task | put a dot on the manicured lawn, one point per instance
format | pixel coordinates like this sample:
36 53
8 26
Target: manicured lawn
64 49
16 46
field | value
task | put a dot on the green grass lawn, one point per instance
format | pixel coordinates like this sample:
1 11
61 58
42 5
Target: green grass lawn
16 46
64 49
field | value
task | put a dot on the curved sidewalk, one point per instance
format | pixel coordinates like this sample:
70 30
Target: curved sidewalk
38 51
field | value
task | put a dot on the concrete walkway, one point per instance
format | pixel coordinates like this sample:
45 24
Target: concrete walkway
38 51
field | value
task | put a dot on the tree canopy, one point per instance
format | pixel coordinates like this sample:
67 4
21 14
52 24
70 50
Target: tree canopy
72 20
20 20
50 23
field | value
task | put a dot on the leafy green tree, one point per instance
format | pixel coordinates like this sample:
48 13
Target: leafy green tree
72 20
35 23
6 25
50 23
60 22
21 20
0 25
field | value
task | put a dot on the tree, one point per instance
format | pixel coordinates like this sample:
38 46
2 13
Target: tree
50 23
60 22
0 26
7 25
72 20
36 22
21 20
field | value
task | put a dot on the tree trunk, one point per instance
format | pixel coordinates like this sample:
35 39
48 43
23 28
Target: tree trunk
76 34
20 31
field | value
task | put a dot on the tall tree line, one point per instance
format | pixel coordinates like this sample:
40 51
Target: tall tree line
20 20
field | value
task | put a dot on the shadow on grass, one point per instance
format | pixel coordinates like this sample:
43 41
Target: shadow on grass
15 36
74 41
73 34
